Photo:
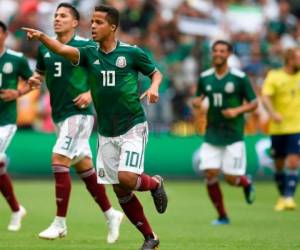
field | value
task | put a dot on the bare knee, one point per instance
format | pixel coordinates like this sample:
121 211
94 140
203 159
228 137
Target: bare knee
231 179
127 180
211 174
58 159
293 161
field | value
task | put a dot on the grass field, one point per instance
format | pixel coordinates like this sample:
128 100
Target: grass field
185 226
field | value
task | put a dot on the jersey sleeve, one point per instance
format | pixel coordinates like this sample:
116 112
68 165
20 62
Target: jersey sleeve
25 71
199 90
268 87
83 56
249 93
40 63
143 63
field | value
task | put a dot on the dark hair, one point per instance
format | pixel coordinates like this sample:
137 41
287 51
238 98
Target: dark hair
3 26
223 42
73 10
113 15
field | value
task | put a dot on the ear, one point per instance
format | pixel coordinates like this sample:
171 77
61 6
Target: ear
113 27
75 23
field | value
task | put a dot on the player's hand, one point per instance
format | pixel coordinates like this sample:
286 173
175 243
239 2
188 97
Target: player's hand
35 81
230 113
83 100
151 94
197 101
33 34
8 95
276 117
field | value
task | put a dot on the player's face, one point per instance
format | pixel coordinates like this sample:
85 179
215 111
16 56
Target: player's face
64 21
3 36
101 28
220 55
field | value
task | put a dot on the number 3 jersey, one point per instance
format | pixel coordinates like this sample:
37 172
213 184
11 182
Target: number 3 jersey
230 91
114 86
64 80
12 66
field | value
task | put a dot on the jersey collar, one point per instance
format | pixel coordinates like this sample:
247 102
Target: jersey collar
117 45
220 77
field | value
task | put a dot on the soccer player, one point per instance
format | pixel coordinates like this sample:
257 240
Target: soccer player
281 97
230 95
113 68
71 111
12 66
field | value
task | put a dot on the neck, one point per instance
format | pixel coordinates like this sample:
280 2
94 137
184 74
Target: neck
109 44
289 70
221 70
65 37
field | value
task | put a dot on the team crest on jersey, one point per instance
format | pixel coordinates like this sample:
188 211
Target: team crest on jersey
229 87
121 62
7 68
101 172
208 88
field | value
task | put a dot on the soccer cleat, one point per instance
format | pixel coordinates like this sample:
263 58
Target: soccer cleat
150 243
249 193
220 221
16 220
54 231
289 203
114 227
280 205
159 195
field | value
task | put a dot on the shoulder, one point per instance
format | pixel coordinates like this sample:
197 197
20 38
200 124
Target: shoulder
81 41
207 73
130 48
237 73
15 54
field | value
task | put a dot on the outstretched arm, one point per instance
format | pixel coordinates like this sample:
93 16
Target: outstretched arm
61 49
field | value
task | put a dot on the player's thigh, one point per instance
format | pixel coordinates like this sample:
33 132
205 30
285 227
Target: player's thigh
293 150
73 136
6 134
234 161
279 144
210 156
133 145
108 158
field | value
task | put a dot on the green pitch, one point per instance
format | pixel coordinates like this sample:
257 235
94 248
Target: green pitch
185 226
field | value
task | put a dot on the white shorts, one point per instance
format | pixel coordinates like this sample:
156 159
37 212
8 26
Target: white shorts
73 137
230 159
7 132
121 153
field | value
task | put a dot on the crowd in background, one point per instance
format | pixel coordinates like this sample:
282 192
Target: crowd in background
177 34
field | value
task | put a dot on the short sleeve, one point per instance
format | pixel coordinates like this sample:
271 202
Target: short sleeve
249 93
40 64
268 88
199 91
83 56
25 71
143 63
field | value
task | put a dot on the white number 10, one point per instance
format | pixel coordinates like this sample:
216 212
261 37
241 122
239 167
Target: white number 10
108 78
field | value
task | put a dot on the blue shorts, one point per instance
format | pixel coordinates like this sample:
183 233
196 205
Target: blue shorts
283 145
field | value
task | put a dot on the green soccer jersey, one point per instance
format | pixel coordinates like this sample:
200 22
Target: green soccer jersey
114 86
227 92
64 80
12 66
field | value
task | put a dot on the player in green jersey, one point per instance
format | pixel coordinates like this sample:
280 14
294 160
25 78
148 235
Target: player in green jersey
12 66
113 69
71 111
230 95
